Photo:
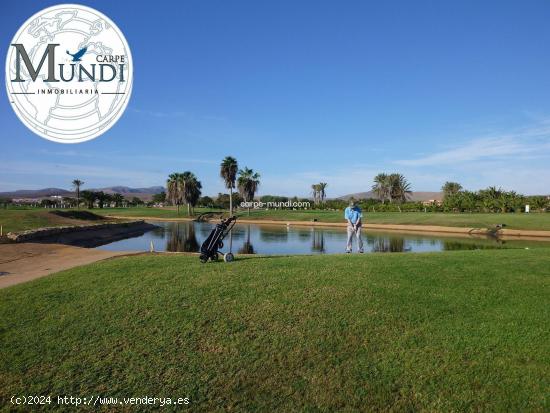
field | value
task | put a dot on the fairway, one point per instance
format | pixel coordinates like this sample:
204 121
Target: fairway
533 221
452 331
21 219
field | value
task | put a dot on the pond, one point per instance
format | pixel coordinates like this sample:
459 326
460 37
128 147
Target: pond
280 239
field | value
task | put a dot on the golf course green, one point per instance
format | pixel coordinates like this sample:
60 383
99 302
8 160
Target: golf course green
533 221
448 331
19 219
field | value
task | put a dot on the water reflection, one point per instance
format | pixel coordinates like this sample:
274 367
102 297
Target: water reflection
280 239
280 235
247 247
392 244
318 241
181 238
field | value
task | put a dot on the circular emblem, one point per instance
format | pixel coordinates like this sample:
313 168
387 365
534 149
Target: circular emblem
69 73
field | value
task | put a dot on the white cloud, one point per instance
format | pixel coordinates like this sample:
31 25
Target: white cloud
521 177
515 161
530 141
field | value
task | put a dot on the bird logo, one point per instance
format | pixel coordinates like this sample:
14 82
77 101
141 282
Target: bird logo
77 56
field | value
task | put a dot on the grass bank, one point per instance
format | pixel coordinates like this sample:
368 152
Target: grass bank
450 331
534 221
14 220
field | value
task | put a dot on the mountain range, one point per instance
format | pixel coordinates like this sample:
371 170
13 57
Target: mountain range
147 193
127 192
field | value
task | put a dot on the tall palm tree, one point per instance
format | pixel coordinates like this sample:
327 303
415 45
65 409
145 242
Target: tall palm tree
315 192
174 189
322 193
191 190
195 194
381 186
77 183
248 183
400 189
228 172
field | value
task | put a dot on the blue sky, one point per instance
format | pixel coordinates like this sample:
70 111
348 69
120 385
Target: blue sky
312 91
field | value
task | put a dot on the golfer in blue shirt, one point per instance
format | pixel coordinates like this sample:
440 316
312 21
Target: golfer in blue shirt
353 215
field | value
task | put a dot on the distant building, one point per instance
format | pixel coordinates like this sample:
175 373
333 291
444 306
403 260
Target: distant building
26 201
431 202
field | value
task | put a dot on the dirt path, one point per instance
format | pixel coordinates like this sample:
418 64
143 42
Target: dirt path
23 262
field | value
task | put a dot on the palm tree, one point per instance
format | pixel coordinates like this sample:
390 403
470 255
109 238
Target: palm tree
451 188
118 199
322 193
102 198
538 202
174 189
191 189
400 189
195 194
381 186
490 197
89 197
315 192
77 183
228 172
248 183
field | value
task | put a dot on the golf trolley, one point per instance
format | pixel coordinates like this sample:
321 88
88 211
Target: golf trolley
210 248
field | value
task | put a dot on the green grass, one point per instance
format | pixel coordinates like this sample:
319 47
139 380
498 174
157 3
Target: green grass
168 212
20 219
534 221
457 331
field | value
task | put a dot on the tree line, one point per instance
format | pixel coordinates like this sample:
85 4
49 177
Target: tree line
393 188
319 192
491 199
185 188
391 192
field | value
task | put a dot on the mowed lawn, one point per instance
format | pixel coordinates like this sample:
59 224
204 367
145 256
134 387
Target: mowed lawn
533 221
15 220
449 331
23 219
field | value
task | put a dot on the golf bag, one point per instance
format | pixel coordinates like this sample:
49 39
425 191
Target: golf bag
210 248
